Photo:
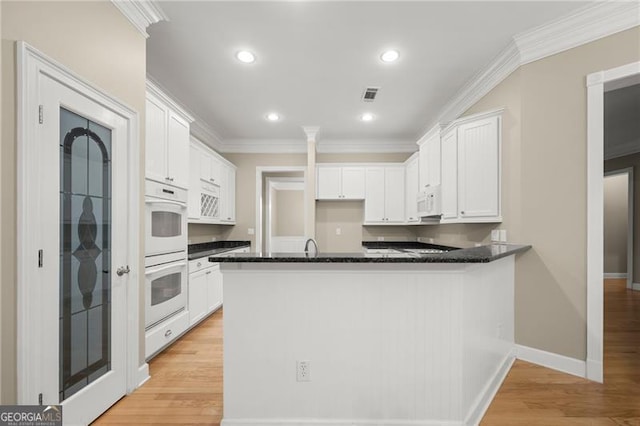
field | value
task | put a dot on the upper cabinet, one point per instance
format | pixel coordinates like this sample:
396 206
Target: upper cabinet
340 183
212 186
430 159
412 182
470 175
479 170
167 139
384 201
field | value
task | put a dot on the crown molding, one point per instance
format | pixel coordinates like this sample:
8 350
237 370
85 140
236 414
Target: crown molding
264 146
311 132
435 130
207 134
166 97
336 146
588 24
141 13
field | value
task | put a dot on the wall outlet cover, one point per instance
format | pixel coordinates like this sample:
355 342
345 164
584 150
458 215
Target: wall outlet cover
251 231
380 238
303 371
495 235
338 231
503 235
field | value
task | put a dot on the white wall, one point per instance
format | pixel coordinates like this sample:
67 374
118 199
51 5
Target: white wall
616 218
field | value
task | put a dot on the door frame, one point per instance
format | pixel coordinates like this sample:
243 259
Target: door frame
275 182
31 63
597 83
628 171
260 170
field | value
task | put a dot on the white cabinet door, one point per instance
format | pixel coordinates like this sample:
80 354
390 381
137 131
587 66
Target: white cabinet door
231 194
412 180
205 167
193 204
329 183
353 183
394 194
450 175
156 140
197 296
214 288
430 161
374 205
178 151
478 169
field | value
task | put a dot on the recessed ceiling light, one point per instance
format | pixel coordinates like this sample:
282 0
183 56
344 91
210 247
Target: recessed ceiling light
366 117
246 56
272 116
390 56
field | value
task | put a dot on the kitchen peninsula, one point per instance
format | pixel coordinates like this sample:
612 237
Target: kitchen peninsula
361 338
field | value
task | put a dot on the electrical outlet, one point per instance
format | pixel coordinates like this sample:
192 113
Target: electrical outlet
431 240
303 371
338 231
495 235
214 238
503 235
380 238
251 231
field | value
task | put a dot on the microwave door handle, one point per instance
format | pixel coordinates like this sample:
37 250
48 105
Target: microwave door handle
177 203
163 268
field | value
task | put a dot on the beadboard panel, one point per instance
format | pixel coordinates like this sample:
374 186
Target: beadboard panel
387 344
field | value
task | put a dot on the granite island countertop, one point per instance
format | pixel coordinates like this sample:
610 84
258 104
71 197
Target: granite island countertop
200 250
480 254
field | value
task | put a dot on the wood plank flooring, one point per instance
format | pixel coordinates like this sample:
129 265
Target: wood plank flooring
533 395
186 381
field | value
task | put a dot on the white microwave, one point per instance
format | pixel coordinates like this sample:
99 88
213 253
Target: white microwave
430 201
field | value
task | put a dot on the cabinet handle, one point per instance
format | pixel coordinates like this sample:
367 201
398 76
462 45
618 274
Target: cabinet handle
168 333
208 272
199 264
461 212
212 179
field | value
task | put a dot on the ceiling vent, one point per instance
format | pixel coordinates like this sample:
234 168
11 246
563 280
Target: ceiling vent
370 94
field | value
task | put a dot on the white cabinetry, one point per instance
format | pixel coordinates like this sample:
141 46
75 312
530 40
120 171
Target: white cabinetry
430 158
412 182
214 176
167 139
479 170
340 183
450 175
205 289
385 195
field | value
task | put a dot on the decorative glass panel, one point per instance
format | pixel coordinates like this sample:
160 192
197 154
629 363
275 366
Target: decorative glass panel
85 252
165 288
166 224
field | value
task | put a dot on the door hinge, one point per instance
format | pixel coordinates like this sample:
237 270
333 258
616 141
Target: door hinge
40 114
40 399
40 258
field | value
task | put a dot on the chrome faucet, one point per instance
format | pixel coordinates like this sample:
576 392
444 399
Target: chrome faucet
306 245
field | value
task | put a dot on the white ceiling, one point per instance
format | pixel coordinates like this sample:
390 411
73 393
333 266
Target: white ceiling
315 58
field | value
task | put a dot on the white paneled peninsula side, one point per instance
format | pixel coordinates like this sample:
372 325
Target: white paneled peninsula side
363 338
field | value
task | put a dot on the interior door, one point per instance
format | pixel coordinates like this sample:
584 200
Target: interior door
82 222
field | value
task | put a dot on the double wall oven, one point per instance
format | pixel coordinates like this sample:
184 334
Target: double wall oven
165 252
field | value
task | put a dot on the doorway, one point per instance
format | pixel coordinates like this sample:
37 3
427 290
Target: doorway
597 84
267 174
78 210
284 220
619 225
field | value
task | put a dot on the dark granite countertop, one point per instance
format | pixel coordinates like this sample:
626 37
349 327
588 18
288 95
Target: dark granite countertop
481 254
405 245
197 251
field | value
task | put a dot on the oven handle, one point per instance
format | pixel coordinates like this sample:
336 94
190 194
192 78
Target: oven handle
150 271
177 203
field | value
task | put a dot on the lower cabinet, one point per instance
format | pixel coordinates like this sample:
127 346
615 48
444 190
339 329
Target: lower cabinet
205 289
163 334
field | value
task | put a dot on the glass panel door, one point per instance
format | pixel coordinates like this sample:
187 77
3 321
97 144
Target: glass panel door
85 252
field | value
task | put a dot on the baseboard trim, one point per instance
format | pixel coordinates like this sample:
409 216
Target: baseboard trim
595 371
143 374
337 422
482 402
635 286
552 360
614 275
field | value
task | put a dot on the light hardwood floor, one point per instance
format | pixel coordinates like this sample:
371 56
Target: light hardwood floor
186 381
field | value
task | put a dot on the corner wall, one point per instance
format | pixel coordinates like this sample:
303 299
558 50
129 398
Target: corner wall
545 189
96 41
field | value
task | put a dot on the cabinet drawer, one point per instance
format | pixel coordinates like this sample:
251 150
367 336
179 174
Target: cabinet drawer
165 333
197 265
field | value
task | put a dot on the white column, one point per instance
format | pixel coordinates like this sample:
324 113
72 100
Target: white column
310 183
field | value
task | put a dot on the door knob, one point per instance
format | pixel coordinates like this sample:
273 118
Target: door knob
123 270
